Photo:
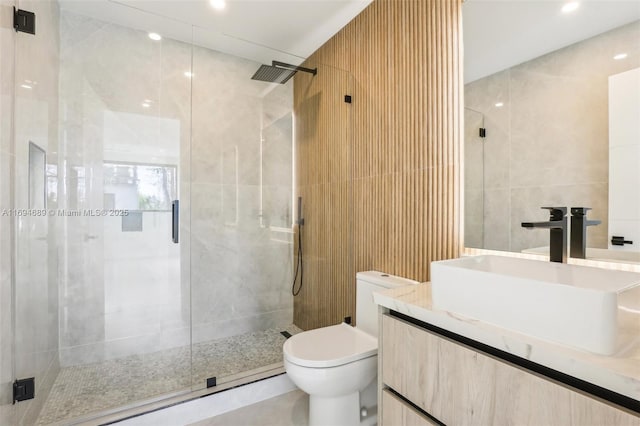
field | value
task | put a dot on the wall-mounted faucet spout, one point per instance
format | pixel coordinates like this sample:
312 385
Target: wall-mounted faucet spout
557 226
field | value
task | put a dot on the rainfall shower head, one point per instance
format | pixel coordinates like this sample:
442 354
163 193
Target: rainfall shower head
273 74
279 72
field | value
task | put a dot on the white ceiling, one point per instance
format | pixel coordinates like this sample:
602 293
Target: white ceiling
501 34
497 33
261 30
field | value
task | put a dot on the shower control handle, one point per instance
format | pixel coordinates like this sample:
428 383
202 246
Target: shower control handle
300 220
175 221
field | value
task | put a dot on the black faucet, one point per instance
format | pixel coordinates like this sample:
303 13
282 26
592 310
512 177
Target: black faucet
557 226
579 225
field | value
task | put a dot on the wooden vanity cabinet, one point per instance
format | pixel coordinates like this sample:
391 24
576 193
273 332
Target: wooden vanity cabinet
399 412
425 376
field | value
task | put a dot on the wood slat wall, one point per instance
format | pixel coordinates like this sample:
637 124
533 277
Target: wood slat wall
380 177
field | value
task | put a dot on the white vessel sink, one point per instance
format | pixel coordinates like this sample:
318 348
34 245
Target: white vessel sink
568 304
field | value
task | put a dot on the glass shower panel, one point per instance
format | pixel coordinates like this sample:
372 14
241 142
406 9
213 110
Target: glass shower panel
103 315
7 84
35 146
326 185
473 179
241 215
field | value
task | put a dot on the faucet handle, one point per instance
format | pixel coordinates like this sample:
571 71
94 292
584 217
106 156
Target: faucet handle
557 213
582 211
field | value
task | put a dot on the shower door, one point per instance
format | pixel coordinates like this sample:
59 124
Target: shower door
102 296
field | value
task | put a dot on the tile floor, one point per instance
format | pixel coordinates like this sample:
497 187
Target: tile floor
85 389
290 409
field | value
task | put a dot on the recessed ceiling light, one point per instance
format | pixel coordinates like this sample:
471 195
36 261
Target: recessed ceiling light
218 4
499 104
620 56
188 74
146 104
570 7
26 86
155 36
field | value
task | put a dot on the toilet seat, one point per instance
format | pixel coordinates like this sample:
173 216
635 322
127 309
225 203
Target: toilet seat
329 346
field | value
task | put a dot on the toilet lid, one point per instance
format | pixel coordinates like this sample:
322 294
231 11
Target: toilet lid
329 346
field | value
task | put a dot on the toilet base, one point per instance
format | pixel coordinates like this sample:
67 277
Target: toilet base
339 411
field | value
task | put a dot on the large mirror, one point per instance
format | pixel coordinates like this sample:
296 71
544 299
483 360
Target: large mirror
552 118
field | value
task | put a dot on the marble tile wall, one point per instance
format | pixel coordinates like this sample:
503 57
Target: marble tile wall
7 158
548 143
241 183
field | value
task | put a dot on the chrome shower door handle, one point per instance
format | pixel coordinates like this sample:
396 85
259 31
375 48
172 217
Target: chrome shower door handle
175 221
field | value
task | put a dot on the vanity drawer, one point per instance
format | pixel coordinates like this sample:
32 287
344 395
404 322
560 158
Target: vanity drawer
458 385
396 412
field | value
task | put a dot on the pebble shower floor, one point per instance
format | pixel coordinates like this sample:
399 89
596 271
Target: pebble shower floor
85 389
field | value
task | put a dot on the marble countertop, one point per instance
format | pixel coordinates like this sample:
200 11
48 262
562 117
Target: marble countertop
619 373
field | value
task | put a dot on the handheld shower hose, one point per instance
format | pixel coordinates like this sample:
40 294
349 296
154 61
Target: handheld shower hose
299 265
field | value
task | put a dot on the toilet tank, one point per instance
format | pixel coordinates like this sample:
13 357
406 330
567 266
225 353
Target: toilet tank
366 284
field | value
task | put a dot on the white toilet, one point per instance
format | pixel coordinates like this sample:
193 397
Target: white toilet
337 365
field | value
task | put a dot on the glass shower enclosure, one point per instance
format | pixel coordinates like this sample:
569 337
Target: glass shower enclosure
102 294
116 302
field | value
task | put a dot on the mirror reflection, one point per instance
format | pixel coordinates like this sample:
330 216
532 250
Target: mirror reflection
37 177
552 119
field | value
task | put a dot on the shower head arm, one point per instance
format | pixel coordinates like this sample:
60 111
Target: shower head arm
313 71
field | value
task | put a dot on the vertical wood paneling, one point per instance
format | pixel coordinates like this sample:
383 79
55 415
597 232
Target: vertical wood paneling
380 177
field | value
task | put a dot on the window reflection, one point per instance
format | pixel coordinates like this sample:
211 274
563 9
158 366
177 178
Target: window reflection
133 186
